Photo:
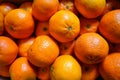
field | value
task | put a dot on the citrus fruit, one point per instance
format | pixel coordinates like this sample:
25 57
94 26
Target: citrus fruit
64 26
91 48
43 51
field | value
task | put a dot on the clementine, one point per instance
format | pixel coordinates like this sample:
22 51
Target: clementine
42 28
27 6
109 68
90 8
110 26
89 72
43 51
19 23
88 25
44 9
68 5
91 48
65 67
44 73
20 69
8 51
64 26
6 7
24 44
66 48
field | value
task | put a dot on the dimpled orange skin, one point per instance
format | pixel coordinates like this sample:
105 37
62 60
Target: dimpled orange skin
42 28
27 6
24 45
44 9
19 23
88 25
8 51
4 71
90 8
1 23
91 48
65 67
89 72
110 26
64 26
21 69
110 67
6 7
43 51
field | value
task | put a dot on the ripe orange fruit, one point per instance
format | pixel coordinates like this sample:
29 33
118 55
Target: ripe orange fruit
42 28
64 26
43 73
91 48
6 7
1 23
24 45
66 48
110 26
90 8
89 72
88 25
8 51
65 67
110 67
4 71
20 69
43 51
68 5
27 6
44 9
19 23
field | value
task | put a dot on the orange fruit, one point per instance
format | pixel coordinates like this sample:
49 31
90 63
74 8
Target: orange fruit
19 23
8 51
91 48
1 23
43 73
68 5
27 6
64 26
90 8
44 9
20 69
6 7
110 26
42 28
66 48
109 68
88 25
24 45
4 71
89 72
43 51
65 67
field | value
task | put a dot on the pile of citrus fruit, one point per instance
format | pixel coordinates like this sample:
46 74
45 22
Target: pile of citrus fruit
60 40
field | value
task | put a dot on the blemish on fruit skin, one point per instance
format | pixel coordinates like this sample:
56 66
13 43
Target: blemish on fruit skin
69 28
44 28
11 28
88 26
25 8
